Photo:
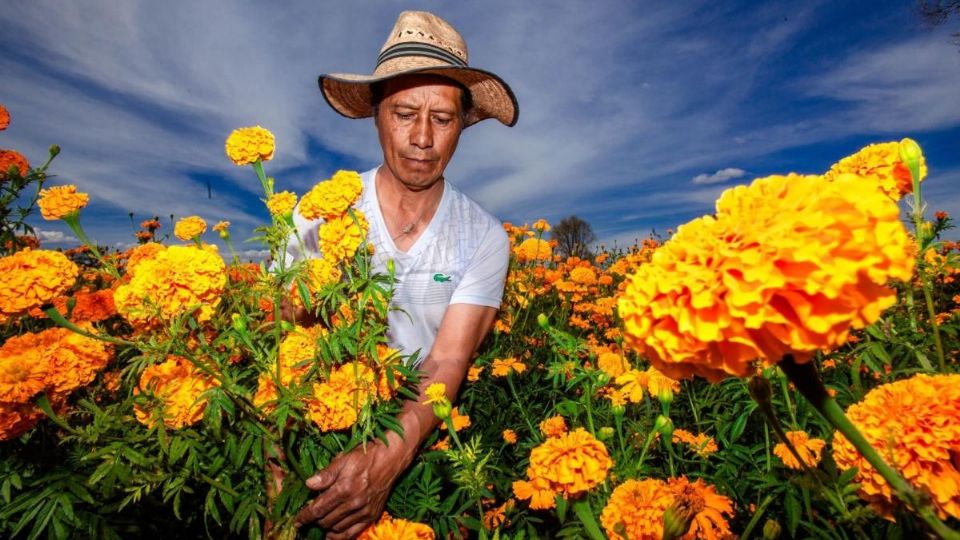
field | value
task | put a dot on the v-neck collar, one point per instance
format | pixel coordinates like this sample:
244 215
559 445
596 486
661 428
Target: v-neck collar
426 237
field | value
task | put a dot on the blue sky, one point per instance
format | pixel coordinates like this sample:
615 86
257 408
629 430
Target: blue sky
633 115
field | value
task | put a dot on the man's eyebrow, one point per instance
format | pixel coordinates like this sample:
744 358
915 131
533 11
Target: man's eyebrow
408 105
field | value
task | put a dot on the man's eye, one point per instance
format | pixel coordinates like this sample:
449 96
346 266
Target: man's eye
442 121
405 116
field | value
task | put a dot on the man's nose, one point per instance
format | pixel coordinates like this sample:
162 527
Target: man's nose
422 134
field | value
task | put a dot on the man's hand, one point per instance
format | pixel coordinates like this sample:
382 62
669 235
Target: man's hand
354 489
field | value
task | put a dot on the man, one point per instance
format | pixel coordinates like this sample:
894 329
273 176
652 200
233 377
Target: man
450 255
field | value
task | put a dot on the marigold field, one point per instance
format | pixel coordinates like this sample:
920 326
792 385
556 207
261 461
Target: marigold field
782 368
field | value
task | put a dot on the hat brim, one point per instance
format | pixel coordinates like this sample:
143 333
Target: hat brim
350 94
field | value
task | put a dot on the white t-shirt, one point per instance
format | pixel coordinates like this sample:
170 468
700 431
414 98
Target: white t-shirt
460 258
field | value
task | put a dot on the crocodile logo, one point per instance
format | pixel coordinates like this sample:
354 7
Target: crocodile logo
441 278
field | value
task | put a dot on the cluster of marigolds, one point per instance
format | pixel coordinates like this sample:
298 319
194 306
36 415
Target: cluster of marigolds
787 265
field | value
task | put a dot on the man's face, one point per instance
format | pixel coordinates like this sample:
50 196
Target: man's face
419 124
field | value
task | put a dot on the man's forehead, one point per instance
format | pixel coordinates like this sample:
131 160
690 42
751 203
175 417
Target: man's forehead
422 82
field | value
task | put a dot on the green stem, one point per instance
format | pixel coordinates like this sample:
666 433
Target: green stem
918 220
585 513
808 382
73 221
523 411
932 314
788 402
56 317
756 517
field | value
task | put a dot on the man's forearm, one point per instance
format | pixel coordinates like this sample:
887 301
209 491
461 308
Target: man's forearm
418 419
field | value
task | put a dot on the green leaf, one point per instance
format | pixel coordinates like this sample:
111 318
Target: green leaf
792 507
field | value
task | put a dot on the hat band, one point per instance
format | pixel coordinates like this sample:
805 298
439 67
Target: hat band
419 49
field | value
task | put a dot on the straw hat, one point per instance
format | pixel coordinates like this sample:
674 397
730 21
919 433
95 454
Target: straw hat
422 43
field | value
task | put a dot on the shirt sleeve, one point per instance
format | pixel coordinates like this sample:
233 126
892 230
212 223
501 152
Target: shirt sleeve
482 282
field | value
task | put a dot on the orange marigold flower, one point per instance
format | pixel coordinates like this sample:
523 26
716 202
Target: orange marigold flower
533 249
510 436
189 228
460 421
88 306
341 236
658 383
17 419
555 426
396 529
473 374
74 359
612 364
281 204
809 450
541 225
633 383
701 443
635 510
150 225
11 159
177 388
337 402
331 198
788 264
246 145
913 424
881 165
495 517
221 227
24 369
700 503
583 275
171 283
502 368
31 278
60 202
4 118
570 465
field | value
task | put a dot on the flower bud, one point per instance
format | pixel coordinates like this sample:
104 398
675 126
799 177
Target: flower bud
391 267
543 321
618 410
663 426
443 409
676 522
665 395
54 150
239 323
605 433
910 152
771 530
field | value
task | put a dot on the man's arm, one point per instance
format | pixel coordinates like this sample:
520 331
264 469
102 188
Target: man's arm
355 486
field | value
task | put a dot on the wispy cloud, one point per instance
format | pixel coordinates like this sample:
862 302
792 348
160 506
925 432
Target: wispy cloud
718 177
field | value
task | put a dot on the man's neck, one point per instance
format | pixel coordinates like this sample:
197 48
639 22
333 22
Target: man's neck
406 212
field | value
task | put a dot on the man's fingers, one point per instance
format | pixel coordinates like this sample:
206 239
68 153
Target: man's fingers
325 477
361 518
346 513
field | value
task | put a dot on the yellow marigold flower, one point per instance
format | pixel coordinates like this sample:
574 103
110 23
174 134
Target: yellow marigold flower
61 201
701 443
612 364
636 508
460 421
533 249
658 383
246 145
341 236
396 529
174 281
31 278
189 228
282 204
788 264
541 225
809 450
881 165
318 274
502 368
221 226
331 198
571 464
510 436
913 424
179 387
11 159
633 383
337 402
436 393
74 359
555 426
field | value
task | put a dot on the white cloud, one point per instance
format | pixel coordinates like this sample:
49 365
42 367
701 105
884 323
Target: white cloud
718 177
52 236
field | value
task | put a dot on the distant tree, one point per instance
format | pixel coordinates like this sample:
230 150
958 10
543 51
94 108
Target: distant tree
936 12
573 236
